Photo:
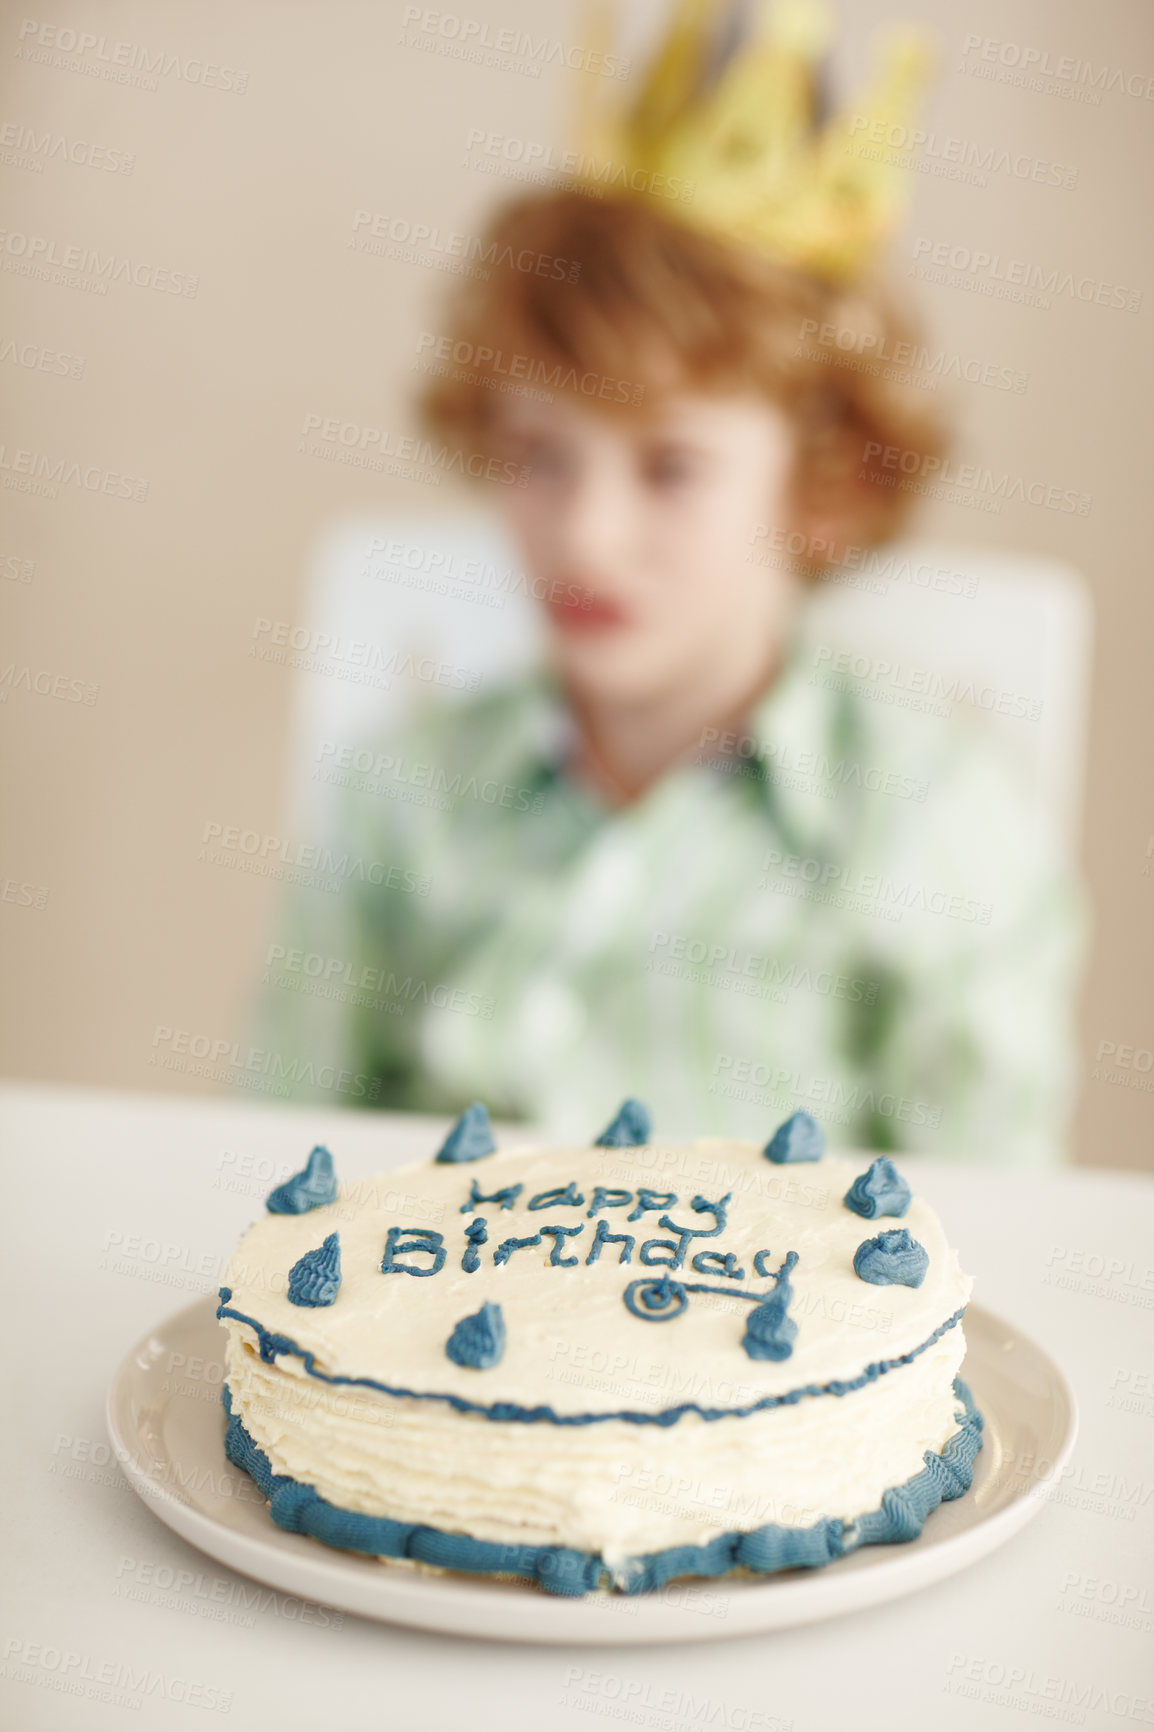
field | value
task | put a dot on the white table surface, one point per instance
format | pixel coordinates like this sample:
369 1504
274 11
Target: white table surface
119 1209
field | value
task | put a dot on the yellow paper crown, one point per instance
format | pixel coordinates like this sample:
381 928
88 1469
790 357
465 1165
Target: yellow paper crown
728 124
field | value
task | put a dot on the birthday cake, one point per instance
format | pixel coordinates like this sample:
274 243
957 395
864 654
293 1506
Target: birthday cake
601 1368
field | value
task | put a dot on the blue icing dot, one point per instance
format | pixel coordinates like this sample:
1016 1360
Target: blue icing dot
800 1138
470 1139
478 1340
310 1189
769 1332
630 1129
892 1259
315 1278
881 1191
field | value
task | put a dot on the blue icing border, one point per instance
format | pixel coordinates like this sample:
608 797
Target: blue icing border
272 1343
563 1570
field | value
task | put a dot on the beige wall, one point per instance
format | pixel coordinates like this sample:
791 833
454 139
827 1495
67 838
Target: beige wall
253 192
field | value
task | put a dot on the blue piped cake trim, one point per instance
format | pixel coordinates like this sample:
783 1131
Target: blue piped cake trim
272 1343
564 1570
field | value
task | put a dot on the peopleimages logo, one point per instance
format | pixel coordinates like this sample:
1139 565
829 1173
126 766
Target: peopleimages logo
443 573
1035 65
891 682
44 251
357 660
1018 279
38 359
365 447
27 148
222 1059
509 49
841 1103
942 471
45 684
887 141
867 892
905 358
398 777
1045 1694
41 472
722 960
222 841
102 57
366 985
484 363
421 239
535 160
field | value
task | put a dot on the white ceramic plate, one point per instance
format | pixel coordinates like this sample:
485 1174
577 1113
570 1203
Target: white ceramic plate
167 1427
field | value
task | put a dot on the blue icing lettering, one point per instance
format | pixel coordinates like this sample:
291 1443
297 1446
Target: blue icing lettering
892 1259
562 1197
560 1234
312 1188
718 1263
800 1138
505 1199
656 1301
315 1278
604 1237
880 1191
507 1246
608 1199
478 1340
630 1128
470 1139
401 1240
700 1207
651 1201
300 1508
769 1332
476 1233
675 1249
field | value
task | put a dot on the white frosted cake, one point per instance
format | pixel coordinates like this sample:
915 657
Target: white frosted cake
601 1367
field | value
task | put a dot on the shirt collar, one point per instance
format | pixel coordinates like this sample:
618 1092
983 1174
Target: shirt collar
783 749
786 748
545 732
797 729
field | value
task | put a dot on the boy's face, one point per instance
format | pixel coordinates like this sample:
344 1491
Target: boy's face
638 528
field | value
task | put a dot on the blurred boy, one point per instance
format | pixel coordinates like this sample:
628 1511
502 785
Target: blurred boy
696 894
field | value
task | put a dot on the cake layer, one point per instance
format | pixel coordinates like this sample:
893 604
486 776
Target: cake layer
565 1570
615 1488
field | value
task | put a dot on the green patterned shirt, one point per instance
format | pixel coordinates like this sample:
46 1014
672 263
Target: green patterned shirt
850 908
